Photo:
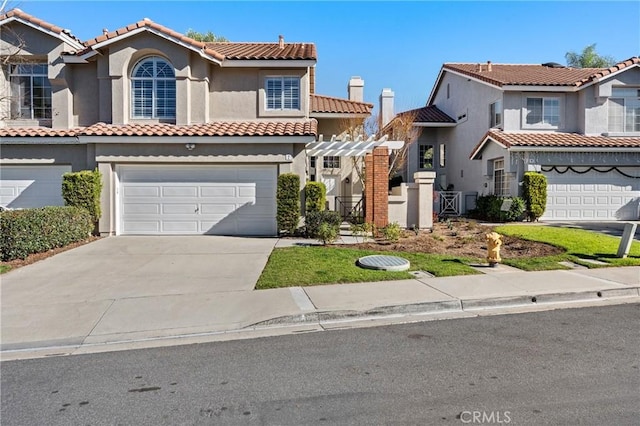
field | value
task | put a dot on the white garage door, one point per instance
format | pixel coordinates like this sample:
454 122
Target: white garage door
31 186
592 196
179 200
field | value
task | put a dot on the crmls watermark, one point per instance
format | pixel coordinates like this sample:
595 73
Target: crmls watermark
485 417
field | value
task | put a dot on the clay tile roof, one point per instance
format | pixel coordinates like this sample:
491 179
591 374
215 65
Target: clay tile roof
37 132
219 50
429 114
253 51
19 14
231 128
555 140
536 75
146 23
326 104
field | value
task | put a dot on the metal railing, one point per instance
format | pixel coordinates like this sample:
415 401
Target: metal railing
350 208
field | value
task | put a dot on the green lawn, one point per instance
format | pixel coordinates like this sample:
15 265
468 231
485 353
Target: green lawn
579 244
304 266
4 268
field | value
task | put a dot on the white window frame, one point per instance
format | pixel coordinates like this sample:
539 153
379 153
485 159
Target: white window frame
288 98
496 114
543 123
624 96
500 184
23 103
162 107
331 162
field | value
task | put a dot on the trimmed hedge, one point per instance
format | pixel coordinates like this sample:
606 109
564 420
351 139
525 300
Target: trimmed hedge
488 208
82 189
23 232
288 199
315 196
535 194
314 220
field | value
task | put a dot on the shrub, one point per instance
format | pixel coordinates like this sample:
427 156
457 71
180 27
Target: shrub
392 232
516 211
535 194
488 207
362 230
288 200
315 196
82 189
313 220
327 233
23 232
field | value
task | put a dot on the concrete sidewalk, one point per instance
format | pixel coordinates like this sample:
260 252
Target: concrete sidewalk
73 318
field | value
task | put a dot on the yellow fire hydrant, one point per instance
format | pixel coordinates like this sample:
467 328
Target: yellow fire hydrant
494 241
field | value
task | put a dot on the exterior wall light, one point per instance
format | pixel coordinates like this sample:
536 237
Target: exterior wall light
190 146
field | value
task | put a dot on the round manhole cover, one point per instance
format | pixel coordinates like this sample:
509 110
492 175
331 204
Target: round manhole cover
384 263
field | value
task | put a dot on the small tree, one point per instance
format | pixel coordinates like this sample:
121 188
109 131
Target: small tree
83 189
204 37
288 199
588 58
535 194
315 196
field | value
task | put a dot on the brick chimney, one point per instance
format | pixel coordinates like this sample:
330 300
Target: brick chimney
355 88
386 107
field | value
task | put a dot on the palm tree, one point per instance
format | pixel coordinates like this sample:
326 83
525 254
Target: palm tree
588 59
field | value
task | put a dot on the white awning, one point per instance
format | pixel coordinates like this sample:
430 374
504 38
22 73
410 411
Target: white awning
348 148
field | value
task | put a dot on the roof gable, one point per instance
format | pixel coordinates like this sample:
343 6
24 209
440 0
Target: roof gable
326 104
553 141
65 36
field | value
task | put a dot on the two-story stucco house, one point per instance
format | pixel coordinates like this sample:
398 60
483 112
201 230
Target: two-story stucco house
485 125
189 136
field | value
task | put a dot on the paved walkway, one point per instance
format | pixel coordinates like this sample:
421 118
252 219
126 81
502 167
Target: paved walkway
127 292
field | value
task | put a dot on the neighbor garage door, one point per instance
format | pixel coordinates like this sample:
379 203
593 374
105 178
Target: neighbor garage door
591 196
177 199
31 186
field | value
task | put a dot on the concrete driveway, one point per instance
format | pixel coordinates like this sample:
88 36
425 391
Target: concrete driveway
126 287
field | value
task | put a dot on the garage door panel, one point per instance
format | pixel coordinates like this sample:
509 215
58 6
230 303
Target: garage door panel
592 196
217 191
141 191
201 199
179 191
180 226
181 209
141 209
32 185
141 226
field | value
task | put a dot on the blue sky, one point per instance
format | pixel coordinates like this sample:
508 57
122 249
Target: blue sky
399 45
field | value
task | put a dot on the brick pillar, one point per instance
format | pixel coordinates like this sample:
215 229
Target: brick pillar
377 187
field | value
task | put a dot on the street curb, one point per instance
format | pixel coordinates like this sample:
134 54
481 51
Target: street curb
469 305
413 308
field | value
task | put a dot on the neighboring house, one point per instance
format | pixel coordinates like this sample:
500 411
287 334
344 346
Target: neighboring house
485 125
189 137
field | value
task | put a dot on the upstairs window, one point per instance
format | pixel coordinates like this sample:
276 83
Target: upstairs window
624 110
542 112
495 114
30 92
153 89
283 93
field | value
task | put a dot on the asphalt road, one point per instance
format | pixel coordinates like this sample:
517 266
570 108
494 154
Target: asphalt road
573 366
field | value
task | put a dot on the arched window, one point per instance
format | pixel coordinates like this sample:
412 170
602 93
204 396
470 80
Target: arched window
153 89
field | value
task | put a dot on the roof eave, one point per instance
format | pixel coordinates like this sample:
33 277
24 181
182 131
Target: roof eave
339 114
434 124
530 148
60 36
271 63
